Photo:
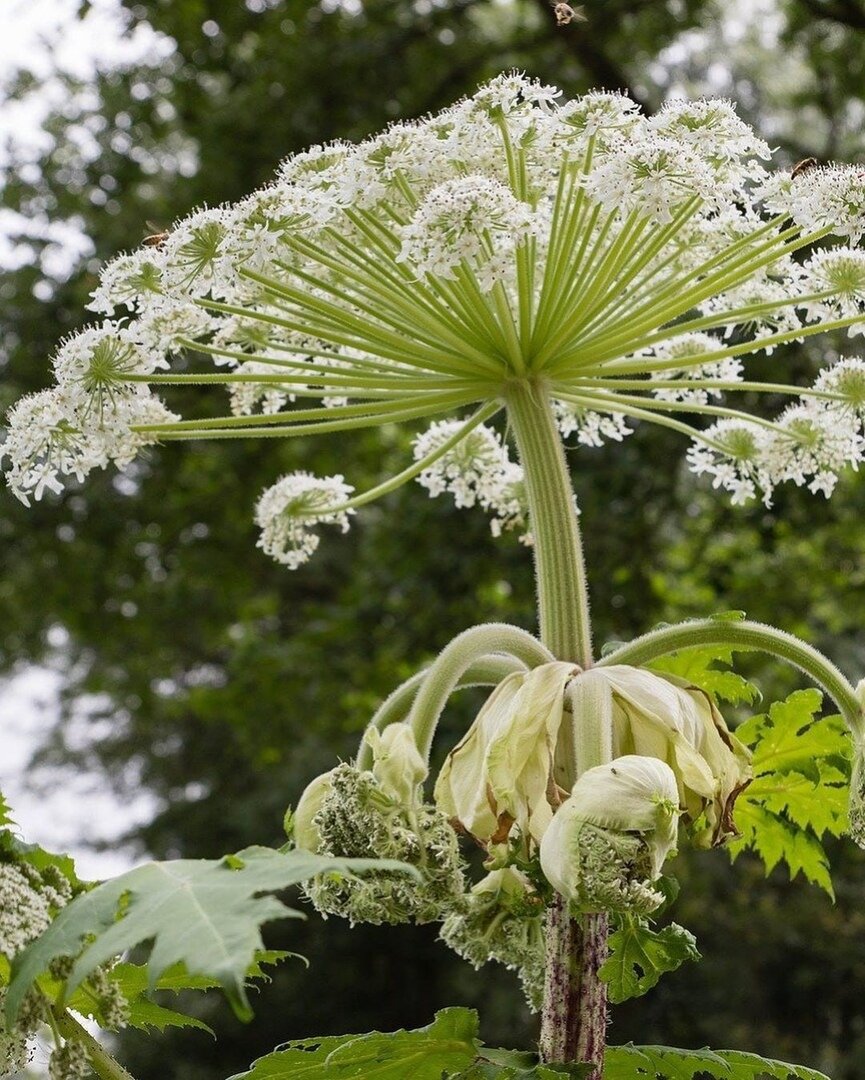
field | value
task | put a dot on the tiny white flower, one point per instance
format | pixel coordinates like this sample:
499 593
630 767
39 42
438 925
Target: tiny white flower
591 428
288 511
813 447
471 220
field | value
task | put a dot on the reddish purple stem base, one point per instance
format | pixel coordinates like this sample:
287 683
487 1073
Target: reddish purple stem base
574 1017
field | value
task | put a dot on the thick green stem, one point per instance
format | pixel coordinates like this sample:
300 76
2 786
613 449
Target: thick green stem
442 677
102 1063
746 635
574 1016
488 671
563 605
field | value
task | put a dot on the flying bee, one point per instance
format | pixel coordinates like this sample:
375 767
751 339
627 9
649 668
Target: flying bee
803 166
157 237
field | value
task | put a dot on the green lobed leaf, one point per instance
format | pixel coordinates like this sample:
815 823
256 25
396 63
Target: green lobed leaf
445 1048
483 1070
707 666
205 914
799 792
133 982
667 1063
13 848
639 956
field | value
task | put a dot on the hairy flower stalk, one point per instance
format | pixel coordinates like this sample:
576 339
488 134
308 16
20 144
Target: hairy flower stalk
575 266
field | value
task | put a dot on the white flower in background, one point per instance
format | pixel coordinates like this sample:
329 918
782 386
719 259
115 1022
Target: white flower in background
133 280
653 176
96 364
829 197
601 115
731 451
846 382
195 256
468 472
812 446
840 274
288 512
712 128
51 436
416 277
246 397
688 348
166 326
477 470
590 427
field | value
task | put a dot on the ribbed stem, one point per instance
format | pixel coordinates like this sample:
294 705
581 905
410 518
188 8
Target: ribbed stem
563 605
574 1016
103 1064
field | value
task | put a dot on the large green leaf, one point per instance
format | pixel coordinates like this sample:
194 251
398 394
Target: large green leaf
205 914
708 666
446 1047
799 792
133 981
639 956
666 1063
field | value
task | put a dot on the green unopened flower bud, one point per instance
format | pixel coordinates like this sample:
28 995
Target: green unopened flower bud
69 1062
502 919
300 825
357 819
664 717
13 1045
501 771
399 766
607 843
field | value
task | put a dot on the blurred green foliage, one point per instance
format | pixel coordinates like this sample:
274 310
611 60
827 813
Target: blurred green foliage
227 681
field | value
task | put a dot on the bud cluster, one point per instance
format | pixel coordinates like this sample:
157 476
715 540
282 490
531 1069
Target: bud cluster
379 814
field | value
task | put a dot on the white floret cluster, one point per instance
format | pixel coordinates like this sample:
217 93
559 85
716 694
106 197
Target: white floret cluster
288 512
472 220
811 443
626 266
477 470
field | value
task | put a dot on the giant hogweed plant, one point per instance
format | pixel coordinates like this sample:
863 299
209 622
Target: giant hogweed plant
522 275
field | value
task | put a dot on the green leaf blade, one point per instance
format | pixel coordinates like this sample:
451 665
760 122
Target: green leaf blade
203 914
639 956
668 1063
446 1047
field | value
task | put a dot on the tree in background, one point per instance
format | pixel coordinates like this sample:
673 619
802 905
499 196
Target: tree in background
243 88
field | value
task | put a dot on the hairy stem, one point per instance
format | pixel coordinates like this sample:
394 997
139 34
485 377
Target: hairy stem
487 671
443 675
746 635
574 1015
102 1063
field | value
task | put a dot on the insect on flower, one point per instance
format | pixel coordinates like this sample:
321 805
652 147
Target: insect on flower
157 237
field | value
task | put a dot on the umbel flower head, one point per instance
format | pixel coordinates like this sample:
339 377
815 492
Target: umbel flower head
624 266
379 814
